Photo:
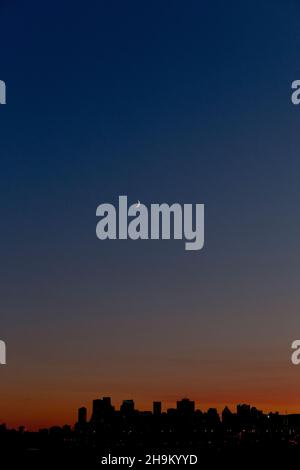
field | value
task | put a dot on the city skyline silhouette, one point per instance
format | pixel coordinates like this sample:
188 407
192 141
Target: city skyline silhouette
107 434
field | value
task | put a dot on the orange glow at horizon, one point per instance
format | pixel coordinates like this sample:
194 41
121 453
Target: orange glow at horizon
39 411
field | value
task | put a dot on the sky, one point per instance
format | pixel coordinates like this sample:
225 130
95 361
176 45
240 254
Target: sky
167 101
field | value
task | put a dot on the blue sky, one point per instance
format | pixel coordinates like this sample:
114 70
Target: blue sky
164 102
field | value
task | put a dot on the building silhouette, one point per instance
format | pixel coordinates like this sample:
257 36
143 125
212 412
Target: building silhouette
157 408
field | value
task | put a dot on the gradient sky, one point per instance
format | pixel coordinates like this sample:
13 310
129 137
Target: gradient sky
165 101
